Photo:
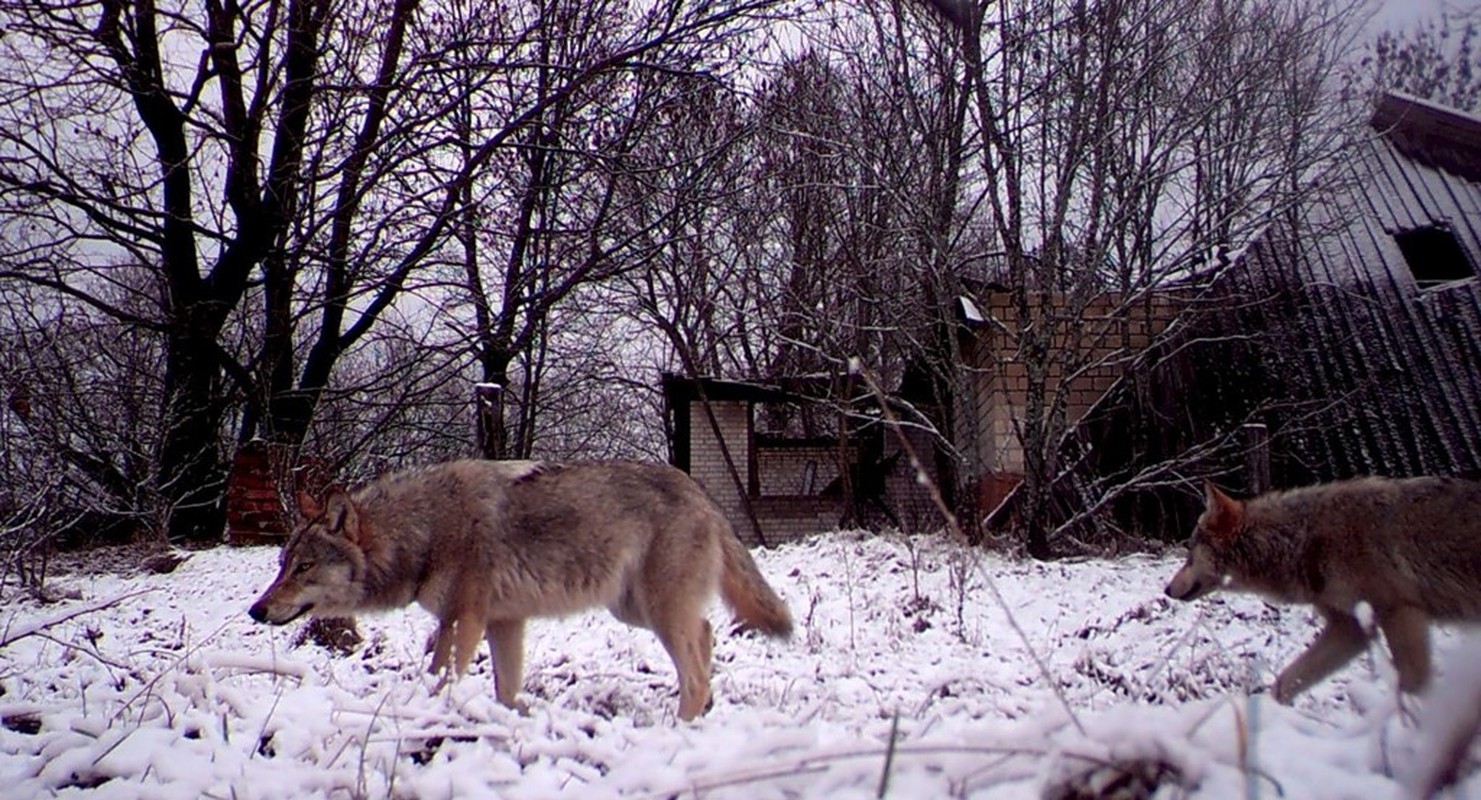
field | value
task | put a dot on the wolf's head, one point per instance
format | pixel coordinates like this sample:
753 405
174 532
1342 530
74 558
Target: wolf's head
322 567
1206 568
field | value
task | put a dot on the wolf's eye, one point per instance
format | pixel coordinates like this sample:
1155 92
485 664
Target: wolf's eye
302 567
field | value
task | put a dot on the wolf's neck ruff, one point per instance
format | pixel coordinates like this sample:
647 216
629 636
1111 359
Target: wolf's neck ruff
1276 560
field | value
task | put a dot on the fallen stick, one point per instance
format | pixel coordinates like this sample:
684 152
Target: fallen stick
15 634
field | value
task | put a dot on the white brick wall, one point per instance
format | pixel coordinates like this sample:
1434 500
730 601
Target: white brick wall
782 519
707 460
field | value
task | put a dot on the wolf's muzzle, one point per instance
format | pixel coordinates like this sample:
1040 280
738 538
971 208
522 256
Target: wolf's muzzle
258 612
1188 588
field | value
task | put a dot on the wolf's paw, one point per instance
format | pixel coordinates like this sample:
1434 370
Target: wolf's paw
446 677
518 706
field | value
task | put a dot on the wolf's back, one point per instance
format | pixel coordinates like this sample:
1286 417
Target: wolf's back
1438 530
1420 539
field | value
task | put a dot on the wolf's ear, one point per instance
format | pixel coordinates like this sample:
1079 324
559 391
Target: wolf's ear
342 516
1222 513
308 507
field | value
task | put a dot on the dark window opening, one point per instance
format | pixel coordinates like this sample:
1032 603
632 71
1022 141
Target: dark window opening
795 449
1434 255
784 420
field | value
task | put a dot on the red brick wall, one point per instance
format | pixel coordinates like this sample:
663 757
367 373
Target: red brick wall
260 490
997 381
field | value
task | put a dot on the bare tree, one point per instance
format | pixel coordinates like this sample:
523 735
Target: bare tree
286 175
1122 142
862 144
692 189
1438 59
75 444
592 79
819 215
171 138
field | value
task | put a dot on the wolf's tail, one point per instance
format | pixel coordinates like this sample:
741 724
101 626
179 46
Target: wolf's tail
755 603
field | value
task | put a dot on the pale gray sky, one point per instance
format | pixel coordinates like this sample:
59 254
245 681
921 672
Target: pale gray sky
1401 13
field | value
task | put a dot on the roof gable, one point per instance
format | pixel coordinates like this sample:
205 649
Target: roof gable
1431 134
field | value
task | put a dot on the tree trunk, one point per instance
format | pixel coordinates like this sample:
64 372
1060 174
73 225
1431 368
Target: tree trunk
488 405
493 431
191 472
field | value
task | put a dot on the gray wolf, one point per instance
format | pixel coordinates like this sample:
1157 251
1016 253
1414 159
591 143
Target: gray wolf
1410 548
485 545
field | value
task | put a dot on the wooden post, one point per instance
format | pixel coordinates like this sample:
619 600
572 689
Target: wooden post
488 410
1257 457
851 516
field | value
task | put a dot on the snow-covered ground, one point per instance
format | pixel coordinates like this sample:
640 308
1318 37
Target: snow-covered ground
909 675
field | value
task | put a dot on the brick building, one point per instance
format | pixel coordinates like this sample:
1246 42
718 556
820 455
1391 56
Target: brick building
1096 348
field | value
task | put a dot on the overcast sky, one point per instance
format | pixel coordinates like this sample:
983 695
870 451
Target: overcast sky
1400 13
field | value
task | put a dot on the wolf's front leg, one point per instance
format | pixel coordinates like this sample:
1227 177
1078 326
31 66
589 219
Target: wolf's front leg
465 635
1407 630
507 641
1337 644
453 646
440 645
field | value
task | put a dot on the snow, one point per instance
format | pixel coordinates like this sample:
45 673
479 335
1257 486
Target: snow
163 688
970 311
1450 721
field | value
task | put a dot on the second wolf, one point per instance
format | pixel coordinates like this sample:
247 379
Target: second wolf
484 545
1409 548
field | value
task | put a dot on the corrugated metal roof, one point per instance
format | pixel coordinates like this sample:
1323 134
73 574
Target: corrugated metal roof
1323 333
1431 134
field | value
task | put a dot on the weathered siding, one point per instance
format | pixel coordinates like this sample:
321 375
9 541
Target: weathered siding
791 486
1321 333
1381 375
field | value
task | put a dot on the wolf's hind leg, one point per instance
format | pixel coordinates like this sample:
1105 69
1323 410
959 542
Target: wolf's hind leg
1407 630
465 636
507 641
707 638
689 639
440 646
1338 643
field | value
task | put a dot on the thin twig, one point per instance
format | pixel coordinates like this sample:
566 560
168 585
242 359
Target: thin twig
809 765
266 720
87 651
365 744
889 756
148 688
13 634
924 479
